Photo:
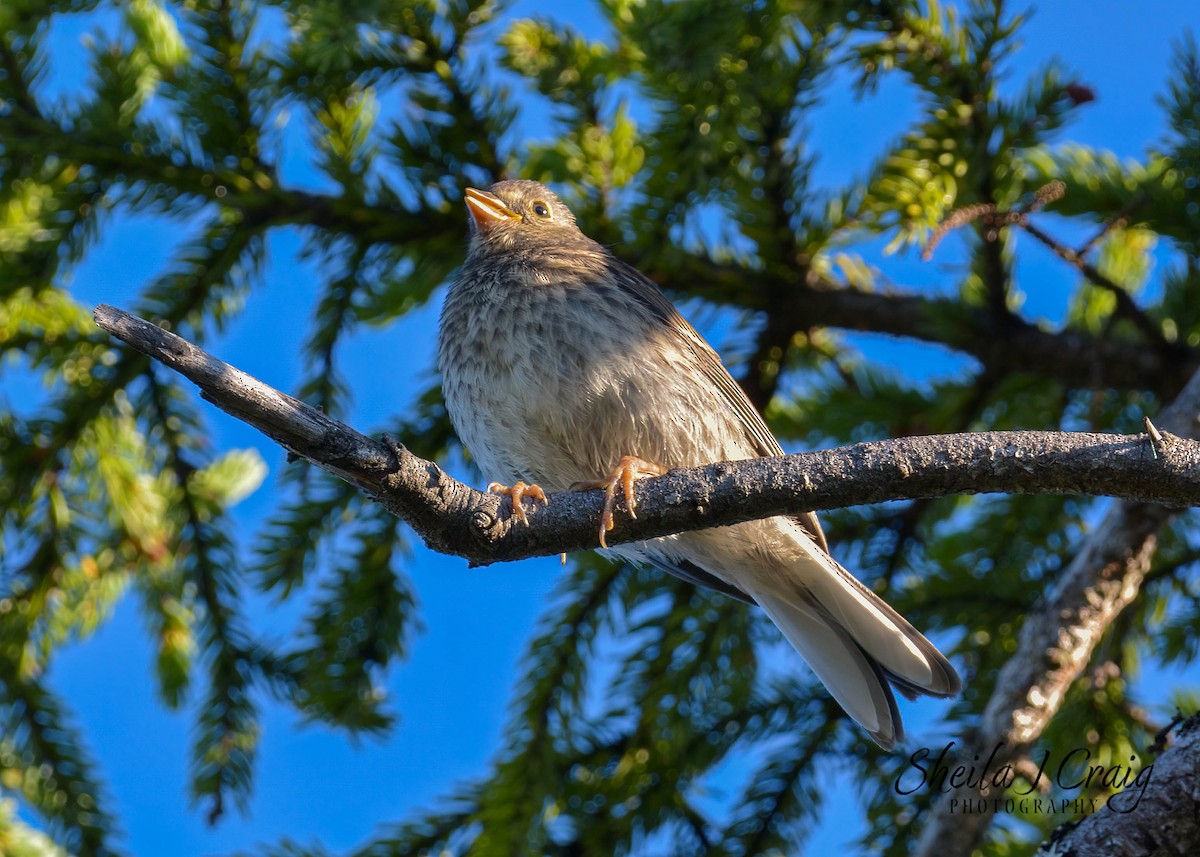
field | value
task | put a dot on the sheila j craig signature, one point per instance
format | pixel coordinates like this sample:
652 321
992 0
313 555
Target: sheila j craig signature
987 788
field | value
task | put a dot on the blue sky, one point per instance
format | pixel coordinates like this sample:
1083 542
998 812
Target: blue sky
453 692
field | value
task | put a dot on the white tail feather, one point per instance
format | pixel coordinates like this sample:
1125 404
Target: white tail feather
852 678
853 640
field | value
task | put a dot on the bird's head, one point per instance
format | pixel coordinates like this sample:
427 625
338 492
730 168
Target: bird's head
519 214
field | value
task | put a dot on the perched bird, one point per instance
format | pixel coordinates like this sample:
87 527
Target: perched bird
562 365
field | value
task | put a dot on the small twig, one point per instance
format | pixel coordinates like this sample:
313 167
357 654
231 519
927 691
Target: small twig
1156 438
1126 306
1119 221
958 218
992 216
1162 735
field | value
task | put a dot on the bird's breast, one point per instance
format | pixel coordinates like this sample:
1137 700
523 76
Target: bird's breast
554 383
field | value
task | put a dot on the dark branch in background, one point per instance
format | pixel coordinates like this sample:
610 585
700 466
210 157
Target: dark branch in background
453 518
1057 639
782 251
1077 358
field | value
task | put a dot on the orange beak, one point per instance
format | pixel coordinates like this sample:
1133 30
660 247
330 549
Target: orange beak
487 210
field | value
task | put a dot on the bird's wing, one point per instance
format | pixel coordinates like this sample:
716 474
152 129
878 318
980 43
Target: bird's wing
709 363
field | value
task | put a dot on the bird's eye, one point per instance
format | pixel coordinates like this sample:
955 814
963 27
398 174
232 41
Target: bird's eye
540 209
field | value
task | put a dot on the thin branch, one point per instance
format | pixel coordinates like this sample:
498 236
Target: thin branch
453 518
1126 306
993 219
1119 221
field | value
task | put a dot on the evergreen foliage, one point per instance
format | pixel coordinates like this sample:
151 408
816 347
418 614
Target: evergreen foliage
693 162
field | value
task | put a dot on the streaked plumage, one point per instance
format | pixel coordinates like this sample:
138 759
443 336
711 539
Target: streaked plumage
557 359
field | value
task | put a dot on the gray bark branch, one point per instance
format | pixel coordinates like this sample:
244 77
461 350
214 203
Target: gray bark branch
453 518
1057 639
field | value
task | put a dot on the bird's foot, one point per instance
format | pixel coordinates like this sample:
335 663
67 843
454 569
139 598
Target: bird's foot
629 468
519 492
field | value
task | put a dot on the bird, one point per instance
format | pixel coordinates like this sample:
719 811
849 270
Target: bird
564 368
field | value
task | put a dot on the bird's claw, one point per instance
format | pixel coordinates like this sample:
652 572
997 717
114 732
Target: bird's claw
519 492
629 468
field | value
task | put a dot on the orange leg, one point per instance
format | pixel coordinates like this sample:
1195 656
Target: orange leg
629 468
518 493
